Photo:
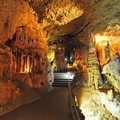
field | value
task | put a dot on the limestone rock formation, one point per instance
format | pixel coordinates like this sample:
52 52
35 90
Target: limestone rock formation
50 73
93 68
112 72
96 105
5 61
8 91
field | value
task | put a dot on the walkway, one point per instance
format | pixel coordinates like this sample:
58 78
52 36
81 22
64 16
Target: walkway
53 106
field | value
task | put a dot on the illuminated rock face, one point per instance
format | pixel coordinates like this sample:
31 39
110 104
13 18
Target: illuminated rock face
58 18
12 18
108 39
60 62
80 58
60 12
49 72
93 68
24 53
112 72
96 105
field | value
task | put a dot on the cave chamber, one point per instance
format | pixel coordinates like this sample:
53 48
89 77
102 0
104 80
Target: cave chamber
42 38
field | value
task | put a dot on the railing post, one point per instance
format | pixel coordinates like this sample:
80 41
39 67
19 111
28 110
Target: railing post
73 109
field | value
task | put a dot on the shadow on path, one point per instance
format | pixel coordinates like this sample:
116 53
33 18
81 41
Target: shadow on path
53 106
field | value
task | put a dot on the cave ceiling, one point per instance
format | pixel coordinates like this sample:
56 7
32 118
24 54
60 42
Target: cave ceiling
61 17
73 17
51 20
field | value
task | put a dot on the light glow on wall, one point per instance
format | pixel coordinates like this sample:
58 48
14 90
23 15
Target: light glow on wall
112 36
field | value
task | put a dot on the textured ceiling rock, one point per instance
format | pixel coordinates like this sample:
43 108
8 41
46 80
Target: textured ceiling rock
100 17
12 18
51 19
61 14
77 17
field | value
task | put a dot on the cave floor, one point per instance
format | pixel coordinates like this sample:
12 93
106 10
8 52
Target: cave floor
53 106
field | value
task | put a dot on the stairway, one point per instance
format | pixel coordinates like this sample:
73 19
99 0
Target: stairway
61 79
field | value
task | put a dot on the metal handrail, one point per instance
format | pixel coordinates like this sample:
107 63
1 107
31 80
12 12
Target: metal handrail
72 102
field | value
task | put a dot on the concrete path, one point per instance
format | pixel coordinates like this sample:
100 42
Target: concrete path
53 106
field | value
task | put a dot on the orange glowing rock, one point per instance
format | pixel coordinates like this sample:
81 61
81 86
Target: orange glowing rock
111 35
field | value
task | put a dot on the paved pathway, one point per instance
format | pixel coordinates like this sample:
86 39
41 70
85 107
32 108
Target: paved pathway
53 106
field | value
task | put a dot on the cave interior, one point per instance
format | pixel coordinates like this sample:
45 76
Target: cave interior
41 37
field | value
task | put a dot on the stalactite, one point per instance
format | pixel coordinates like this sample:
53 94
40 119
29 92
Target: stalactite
24 62
21 67
18 33
28 64
34 66
32 63
19 60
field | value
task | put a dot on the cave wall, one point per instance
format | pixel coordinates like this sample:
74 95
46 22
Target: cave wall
20 35
20 28
11 18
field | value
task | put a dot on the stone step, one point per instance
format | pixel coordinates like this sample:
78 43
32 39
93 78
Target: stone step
61 79
67 75
61 82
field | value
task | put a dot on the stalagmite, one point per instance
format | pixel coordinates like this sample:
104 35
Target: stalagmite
94 77
107 50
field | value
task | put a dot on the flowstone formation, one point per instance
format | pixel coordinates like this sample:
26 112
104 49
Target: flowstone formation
93 68
96 105
59 62
24 69
49 72
99 99
112 73
28 58
5 59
